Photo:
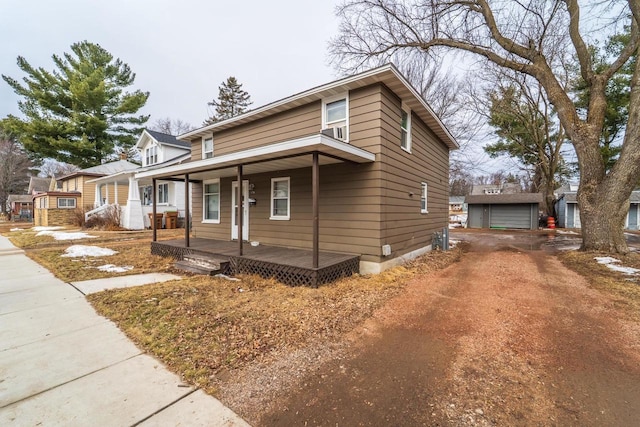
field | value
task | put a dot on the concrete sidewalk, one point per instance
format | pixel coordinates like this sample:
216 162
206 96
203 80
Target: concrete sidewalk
62 364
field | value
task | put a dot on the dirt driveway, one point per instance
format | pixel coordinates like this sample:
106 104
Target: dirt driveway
508 336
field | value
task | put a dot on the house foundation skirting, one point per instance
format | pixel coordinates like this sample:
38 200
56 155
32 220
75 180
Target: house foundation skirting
292 275
369 267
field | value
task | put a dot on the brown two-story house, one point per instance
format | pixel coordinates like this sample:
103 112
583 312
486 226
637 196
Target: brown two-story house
358 166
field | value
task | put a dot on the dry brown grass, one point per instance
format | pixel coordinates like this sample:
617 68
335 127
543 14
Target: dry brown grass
625 289
203 326
133 249
85 268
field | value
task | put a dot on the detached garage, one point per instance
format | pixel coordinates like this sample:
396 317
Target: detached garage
519 210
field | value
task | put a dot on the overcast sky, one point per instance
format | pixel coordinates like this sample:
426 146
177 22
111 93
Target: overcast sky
180 50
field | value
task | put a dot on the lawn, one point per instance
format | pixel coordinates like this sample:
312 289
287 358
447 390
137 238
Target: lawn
624 288
133 250
202 327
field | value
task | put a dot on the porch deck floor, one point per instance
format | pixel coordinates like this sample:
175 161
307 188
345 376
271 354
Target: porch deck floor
300 258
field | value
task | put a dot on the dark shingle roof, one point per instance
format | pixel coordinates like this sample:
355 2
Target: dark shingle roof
168 139
504 199
39 184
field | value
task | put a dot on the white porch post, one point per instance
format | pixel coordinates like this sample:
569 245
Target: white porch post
115 186
133 218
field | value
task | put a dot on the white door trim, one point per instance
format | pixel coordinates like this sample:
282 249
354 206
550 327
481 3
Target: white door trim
245 218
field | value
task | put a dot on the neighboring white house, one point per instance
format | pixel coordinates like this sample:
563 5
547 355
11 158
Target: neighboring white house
156 150
569 213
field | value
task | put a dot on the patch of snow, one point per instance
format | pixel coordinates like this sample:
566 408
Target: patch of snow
567 232
612 263
82 251
606 260
114 268
63 235
453 243
16 229
624 270
43 228
225 277
569 248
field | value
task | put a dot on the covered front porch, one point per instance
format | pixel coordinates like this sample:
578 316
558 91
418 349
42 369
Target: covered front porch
294 264
293 267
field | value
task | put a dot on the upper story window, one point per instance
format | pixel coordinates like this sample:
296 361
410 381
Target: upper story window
207 148
151 155
42 204
280 200
335 116
405 129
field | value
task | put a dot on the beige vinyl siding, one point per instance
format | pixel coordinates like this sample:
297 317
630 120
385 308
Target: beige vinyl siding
296 123
349 210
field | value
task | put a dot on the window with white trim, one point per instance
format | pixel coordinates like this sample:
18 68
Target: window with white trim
405 129
335 115
207 148
280 198
151 155
163 194
66 203
42 204
211 201
423 197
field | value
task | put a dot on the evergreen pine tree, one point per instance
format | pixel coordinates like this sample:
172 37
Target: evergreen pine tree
79 113
232 101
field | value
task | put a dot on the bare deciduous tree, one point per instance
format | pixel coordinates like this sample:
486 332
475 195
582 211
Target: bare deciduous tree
56 169
14 169
171 126
534 38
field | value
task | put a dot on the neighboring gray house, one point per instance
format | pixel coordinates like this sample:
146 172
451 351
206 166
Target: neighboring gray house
569 213
495 210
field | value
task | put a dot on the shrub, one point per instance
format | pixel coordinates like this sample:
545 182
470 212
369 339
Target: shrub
108 219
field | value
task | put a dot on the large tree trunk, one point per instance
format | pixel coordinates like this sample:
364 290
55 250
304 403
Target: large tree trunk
603 218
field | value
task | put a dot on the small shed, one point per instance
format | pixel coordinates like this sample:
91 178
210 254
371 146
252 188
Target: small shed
516 210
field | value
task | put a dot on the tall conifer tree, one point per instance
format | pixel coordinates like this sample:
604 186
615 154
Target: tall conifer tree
79 113
232 101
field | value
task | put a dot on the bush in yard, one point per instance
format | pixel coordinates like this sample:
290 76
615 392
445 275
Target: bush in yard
108 220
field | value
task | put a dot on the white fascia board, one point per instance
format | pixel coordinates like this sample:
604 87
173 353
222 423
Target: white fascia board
297 146
301 95
421 100
110 178
144 134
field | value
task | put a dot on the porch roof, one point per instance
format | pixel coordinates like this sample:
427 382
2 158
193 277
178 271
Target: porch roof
282 156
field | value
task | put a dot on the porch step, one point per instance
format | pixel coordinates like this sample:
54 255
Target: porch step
201 264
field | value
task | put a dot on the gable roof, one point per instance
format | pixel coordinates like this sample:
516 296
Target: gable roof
387 74
38 184
104 169
162 138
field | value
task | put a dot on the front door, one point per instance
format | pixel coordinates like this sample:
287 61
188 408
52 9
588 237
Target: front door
234 210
